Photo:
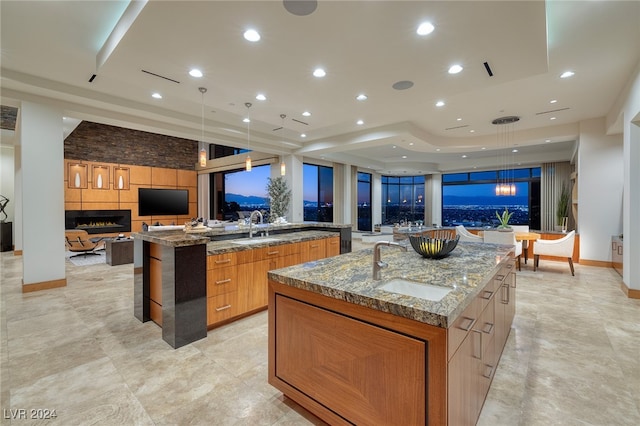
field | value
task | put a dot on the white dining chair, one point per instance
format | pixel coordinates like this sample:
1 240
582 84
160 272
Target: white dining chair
465 235
507 238
562 247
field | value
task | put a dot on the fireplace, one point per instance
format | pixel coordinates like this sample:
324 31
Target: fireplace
98 221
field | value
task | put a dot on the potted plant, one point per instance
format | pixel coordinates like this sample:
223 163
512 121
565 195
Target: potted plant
562 207
279 198
504 219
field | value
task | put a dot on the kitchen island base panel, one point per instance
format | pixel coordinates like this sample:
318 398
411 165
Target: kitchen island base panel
432 340
363 372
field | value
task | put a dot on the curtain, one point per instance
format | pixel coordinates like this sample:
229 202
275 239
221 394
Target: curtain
553 176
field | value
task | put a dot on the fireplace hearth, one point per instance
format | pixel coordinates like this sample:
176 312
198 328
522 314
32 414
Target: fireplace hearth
98 221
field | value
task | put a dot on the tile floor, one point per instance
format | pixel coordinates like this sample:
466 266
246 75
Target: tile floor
572 358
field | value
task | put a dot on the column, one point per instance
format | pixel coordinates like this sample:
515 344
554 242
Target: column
42 175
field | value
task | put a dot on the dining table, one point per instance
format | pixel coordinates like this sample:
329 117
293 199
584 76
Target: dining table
527 237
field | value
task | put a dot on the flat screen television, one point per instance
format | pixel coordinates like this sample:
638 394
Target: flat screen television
159 202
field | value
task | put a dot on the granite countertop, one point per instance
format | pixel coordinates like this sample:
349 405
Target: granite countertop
227 246
348 277
179 238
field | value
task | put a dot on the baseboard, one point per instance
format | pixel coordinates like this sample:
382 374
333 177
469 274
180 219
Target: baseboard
600 263
44 285
630 292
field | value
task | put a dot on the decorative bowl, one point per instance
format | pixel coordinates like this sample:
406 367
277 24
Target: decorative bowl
433 247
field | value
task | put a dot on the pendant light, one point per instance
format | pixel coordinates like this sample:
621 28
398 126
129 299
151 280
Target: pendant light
283 167
247 162
505 184
203 152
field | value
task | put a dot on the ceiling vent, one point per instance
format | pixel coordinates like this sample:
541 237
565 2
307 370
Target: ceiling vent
488 68
160 76
550 111
457 127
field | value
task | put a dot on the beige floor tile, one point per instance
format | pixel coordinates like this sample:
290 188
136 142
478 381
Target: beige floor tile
571 357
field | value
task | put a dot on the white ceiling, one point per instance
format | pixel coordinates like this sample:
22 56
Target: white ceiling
50 49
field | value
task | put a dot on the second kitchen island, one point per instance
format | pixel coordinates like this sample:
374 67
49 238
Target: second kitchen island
353 353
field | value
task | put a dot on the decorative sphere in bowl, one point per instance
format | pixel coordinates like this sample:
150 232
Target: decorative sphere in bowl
433 247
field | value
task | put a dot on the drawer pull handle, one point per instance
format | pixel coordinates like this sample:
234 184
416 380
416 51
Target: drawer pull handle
490 368
223 281
223 261
500 277
487 294
315 245
222 308
472 321
489 329
273 252
479 346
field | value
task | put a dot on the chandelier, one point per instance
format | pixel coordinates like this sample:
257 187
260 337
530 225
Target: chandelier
505 184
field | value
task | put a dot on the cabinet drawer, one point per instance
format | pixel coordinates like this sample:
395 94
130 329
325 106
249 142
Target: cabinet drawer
271 252
222 280
333 246
221 260
462 325
222 307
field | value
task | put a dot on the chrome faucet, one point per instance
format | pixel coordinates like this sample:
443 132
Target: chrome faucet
379 264
251 221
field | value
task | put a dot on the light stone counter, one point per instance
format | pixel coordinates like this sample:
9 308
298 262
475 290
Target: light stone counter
349 277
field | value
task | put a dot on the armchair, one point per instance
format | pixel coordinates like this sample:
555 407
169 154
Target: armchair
562 247
465 235
507 238
78 241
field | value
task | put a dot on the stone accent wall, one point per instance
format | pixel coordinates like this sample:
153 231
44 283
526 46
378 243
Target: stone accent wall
111 144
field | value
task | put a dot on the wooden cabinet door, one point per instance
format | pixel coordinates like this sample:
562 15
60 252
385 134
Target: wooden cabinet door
367 374
464 385
332 246
313 250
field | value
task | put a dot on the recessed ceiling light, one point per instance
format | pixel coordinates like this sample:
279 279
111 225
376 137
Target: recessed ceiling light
195 73
464 155
438 149
156 96
404 156
458 119
552 118
394 147
246 120
484 147
303 135
547 140
425 28
359 122
362 97
319 72
251 35
410 143
514 150
553 101
455 69
472 131
306 113
567 74
440 103
261 97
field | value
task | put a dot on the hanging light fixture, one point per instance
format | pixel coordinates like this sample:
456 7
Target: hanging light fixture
505 184
247 161
203 153
283 167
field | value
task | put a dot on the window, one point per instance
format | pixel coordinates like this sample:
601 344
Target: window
317 193
402 199
364 201
241 192
469 198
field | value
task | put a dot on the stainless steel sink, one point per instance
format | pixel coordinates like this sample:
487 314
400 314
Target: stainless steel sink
415 289
256 240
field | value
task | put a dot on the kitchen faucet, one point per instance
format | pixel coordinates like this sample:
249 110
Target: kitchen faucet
379 264
251 221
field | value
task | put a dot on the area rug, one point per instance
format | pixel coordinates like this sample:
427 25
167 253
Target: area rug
86 260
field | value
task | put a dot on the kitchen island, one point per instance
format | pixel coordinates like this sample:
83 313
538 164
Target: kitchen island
188 283
351 352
